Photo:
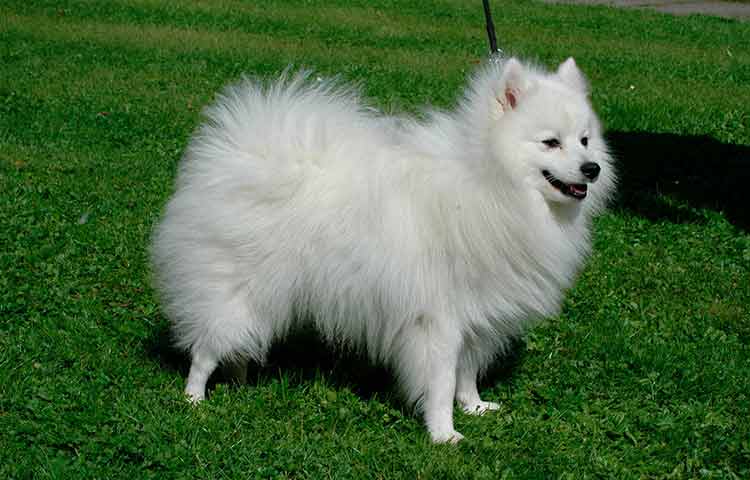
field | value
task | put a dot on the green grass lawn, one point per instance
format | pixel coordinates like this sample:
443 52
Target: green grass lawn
646 374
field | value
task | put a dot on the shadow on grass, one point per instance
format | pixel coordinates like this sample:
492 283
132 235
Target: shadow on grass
698 170
304 357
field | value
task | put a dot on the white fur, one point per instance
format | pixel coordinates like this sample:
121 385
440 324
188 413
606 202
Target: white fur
429 244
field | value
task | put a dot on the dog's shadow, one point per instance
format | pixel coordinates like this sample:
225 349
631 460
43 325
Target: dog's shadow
698 171
304 357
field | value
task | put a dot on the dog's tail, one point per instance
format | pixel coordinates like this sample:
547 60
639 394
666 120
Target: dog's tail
266 135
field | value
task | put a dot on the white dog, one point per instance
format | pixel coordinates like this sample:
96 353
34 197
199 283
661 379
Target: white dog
428 244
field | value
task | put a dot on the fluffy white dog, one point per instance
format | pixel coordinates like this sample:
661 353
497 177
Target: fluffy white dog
428 244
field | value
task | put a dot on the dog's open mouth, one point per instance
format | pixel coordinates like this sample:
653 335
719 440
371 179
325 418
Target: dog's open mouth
575 190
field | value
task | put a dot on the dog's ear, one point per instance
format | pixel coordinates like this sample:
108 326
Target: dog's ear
513 84
572 76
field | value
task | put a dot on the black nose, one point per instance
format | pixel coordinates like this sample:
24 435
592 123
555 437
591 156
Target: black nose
591 170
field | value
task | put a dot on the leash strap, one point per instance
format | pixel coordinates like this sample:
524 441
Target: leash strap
495 53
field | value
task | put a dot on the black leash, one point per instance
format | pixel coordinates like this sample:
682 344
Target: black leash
495 52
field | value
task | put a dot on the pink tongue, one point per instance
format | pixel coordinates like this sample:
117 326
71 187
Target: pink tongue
578 189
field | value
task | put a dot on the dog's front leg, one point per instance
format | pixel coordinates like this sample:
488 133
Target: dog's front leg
426 367
438 402
467 394
440 391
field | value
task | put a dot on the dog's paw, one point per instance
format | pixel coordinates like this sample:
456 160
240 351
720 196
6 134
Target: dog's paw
480 408
194 396
452 437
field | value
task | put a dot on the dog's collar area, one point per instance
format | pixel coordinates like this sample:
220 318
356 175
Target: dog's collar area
575 190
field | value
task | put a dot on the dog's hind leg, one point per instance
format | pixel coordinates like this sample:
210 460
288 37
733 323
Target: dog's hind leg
204 363
231 341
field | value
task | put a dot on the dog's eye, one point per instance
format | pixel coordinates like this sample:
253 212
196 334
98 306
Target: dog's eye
585 141
552 143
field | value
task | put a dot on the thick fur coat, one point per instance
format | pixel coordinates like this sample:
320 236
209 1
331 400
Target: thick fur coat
427 243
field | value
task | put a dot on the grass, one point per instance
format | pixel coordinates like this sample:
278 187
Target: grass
645 374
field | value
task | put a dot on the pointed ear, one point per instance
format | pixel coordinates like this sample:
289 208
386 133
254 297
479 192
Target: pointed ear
513 84
572 76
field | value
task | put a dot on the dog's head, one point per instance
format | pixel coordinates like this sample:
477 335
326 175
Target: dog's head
544 126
